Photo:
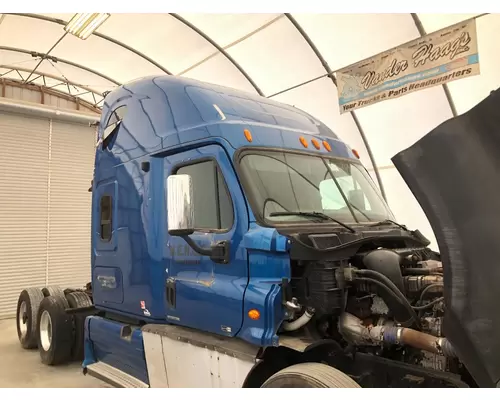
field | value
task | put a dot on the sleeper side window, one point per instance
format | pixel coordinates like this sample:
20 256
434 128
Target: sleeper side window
106 218
213 208
113 124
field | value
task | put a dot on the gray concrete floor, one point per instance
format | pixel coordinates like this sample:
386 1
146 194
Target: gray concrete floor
21 368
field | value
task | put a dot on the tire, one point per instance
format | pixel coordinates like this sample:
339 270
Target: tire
27 317
55 331
54 291
310 375
77 300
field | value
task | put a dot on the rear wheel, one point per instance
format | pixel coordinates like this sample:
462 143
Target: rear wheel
54 291
27 314
78 300
55 331
310 375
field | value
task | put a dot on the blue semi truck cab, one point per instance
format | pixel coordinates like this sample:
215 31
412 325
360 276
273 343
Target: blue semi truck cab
255 168
238 242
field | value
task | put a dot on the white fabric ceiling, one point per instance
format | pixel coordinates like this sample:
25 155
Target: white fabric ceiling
266 53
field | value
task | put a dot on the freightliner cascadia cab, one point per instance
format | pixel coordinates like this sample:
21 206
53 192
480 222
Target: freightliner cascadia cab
232 233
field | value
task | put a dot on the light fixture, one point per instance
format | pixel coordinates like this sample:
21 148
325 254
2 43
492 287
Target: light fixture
83 25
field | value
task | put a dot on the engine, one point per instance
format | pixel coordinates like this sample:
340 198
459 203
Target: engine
384 301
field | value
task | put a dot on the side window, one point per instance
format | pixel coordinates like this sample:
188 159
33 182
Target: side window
114 121
106 218
213 208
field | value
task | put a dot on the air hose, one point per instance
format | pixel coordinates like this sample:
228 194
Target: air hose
397 302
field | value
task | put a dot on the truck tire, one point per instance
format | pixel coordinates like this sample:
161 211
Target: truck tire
310 375
77 300
27 314
55 331
54 291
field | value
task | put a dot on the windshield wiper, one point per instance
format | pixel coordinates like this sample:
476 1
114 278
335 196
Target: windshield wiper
389 222
314 214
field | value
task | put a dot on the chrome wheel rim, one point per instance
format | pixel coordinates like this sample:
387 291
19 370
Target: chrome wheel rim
23 319
45 330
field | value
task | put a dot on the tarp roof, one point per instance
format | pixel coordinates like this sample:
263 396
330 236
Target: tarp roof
283 56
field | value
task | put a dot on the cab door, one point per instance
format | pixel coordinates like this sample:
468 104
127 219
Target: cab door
201 293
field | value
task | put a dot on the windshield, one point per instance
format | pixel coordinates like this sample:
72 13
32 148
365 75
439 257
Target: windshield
281 182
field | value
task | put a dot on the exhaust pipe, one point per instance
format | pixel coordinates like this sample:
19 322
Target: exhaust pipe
353 330
419 340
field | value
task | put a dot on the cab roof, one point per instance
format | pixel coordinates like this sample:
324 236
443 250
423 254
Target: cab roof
159 113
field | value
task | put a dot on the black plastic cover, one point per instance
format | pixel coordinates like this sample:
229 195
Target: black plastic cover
388 263
454 173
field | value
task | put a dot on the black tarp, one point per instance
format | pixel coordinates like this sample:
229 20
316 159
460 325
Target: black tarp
454 173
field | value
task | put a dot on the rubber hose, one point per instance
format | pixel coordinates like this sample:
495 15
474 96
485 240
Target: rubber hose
394 297
403 300
299 322
381 277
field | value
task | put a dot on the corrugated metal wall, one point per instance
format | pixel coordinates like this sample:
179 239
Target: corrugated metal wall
45 207
71 166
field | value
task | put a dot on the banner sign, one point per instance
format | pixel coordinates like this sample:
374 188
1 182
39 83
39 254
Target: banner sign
440 57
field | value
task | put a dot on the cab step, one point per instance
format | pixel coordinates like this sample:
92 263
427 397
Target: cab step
113 376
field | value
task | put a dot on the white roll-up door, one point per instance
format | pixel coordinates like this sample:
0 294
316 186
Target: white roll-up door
45 172
71 167
24 171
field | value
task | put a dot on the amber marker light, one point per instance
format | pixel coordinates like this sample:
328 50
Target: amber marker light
248 135
315 144
254 314
356 154
303 141
327 146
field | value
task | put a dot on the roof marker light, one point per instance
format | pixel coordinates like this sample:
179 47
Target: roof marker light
315 144
327 146
248 135
303 141
356 154
83 25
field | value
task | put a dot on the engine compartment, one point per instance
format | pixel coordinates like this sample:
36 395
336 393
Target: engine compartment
378 296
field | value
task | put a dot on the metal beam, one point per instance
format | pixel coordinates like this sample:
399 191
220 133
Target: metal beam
45 90
228 46
100 35
219 48
8 72
48 111
334 81
45 56
421 31
63 61
43 74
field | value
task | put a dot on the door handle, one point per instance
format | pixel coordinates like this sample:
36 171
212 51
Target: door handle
170 289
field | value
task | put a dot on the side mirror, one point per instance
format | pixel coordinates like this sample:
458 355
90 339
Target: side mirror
180 205
181 218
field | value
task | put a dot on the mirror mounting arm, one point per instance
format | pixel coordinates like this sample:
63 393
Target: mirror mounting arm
195 247
218 253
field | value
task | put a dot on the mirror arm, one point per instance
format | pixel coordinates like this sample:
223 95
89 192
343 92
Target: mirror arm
218 253
195 247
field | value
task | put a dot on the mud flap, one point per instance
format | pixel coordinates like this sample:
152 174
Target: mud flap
454 173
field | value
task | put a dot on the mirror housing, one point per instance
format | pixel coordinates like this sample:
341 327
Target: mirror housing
180 217
180 207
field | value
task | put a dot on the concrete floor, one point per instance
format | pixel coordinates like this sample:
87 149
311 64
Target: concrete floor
21 368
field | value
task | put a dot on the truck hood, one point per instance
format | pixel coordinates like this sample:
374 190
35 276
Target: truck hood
454 173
